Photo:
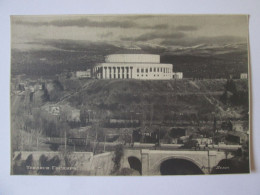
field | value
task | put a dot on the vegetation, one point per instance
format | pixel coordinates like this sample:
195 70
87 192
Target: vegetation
190 144
238 164
45 162
46 96
118 154
232 96
184 104
19 166
54 146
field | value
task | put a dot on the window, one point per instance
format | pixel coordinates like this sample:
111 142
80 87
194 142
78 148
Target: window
151 70
158 70
161 69
146 70
154 69
137 69
142 70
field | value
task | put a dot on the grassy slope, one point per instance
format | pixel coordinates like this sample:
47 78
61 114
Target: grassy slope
115 97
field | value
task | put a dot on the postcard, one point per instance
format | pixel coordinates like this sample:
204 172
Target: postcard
141 95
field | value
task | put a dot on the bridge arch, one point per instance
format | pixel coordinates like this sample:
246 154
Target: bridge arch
135 163
178 165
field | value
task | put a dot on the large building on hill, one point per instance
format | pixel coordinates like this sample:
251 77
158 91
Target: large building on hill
133 64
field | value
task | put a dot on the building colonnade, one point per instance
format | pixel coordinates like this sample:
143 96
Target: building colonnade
133 71
114 72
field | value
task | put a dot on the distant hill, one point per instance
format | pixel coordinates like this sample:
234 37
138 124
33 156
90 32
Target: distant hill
198 61
216 66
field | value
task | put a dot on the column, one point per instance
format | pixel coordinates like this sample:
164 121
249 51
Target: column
109 72
105 74
131 72
97 72
145 161
112 72
122 73
118 73
101 73
125 72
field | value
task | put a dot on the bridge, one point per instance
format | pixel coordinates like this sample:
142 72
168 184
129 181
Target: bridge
168 162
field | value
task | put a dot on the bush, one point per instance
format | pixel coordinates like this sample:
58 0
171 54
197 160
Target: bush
190 144
44 162
119 151
54 147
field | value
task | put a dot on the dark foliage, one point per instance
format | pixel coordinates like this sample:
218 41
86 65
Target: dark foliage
177 132
83 117
46 163
118 154
136 135
20 166
234 165
231 86
58 85
45 96
190 144
54 146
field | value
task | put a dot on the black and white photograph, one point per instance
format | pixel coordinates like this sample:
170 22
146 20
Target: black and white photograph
129 95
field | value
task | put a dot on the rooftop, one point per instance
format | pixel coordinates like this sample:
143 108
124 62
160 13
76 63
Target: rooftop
132 50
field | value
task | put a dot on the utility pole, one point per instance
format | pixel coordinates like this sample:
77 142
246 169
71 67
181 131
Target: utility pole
37 142
214 129
87 139
21 134
208 161
95 143
65 140
105 143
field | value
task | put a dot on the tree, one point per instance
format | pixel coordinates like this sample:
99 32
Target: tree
231 86
190 144
54 146
45 162
46 95
224 97
119 152
83 117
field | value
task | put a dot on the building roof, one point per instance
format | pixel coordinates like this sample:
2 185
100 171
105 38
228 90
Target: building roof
132 50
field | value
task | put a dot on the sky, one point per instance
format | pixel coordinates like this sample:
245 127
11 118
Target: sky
168 31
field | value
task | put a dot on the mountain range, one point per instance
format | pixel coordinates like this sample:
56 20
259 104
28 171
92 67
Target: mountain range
51 57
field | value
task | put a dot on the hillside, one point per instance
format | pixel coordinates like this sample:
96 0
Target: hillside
153 100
